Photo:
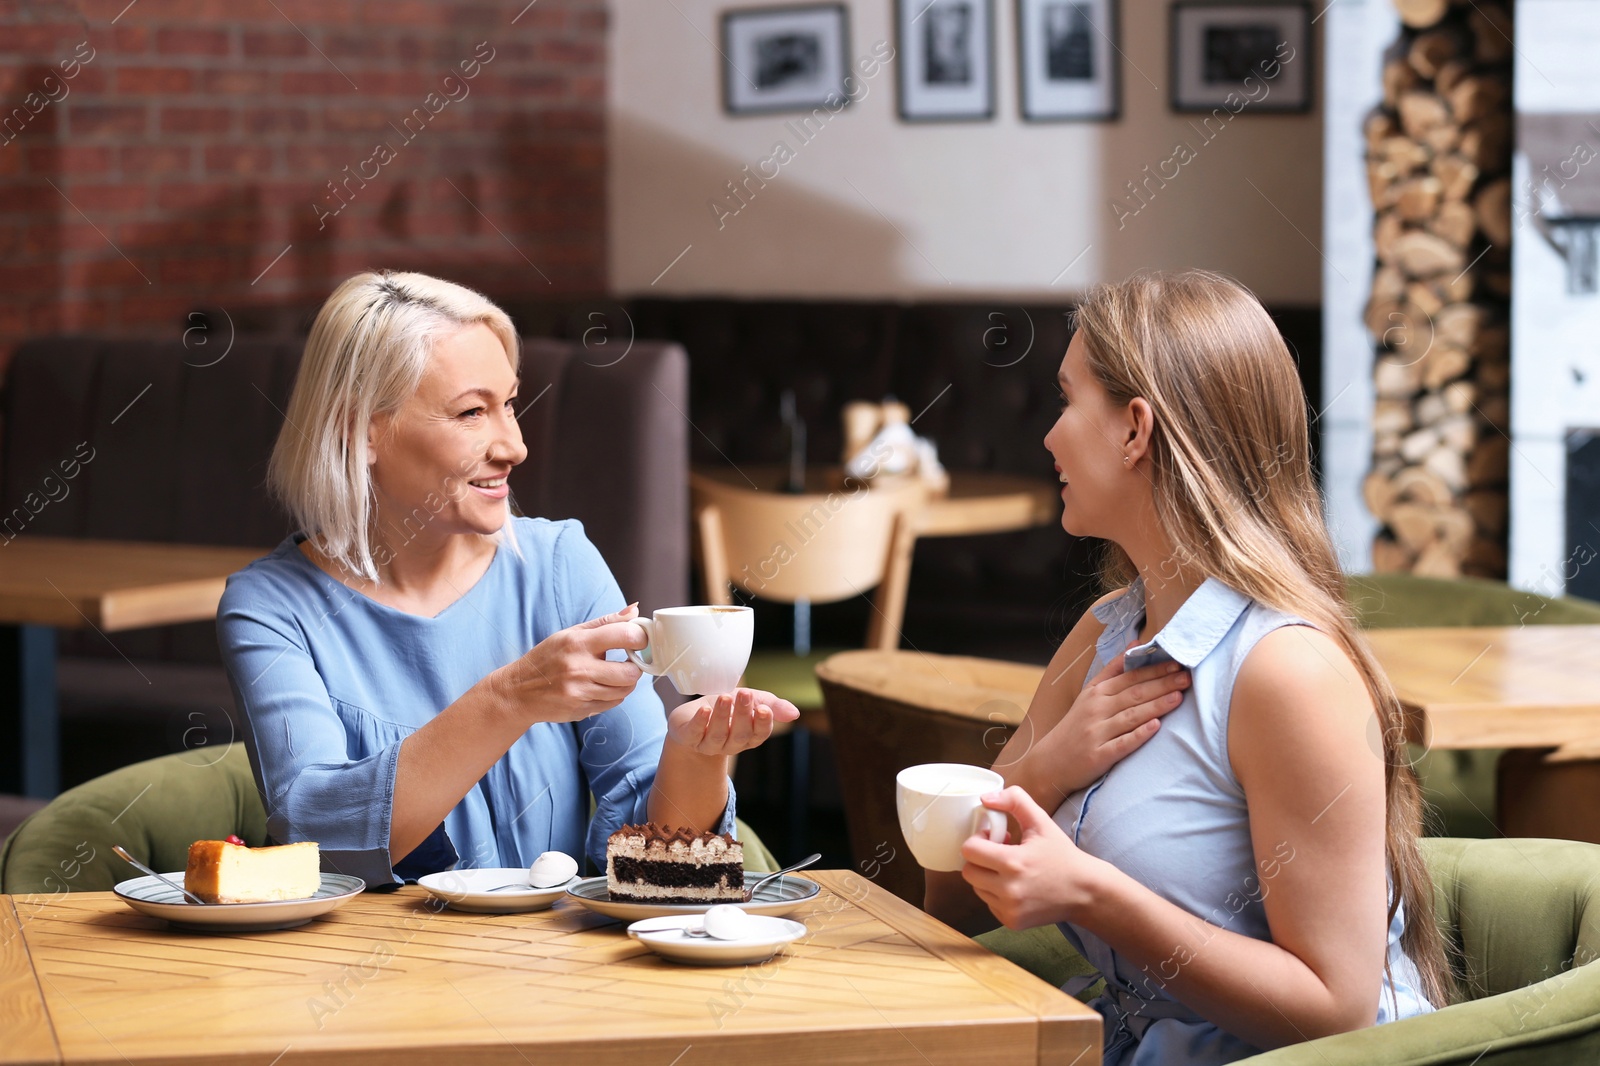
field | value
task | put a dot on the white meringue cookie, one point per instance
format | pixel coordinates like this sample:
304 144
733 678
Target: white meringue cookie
551 869
727 922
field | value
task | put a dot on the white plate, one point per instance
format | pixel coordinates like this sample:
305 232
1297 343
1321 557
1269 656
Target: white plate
778 896
464 890
152 896
666 937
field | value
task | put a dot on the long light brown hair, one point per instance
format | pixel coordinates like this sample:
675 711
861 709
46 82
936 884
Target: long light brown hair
1234 491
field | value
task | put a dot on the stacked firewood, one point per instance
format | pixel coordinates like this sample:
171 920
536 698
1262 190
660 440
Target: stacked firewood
1438 167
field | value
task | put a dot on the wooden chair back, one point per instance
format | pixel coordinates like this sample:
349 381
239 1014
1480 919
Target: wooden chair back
820 547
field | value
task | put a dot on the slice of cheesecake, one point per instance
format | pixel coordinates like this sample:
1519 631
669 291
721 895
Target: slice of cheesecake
220 872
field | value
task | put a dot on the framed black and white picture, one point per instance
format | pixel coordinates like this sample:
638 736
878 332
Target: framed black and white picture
946 59
1241 58
785 58
1068 59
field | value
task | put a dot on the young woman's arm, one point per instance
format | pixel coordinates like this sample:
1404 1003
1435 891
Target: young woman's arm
1070 736
1302 744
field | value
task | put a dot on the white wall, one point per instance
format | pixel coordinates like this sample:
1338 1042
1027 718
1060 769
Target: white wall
1555 337
877 208
1356 33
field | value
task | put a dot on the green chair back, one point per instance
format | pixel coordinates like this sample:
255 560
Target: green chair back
156 809
1403 601
1523 918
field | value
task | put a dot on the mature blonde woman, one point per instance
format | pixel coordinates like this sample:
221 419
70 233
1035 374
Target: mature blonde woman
1221 817
427 681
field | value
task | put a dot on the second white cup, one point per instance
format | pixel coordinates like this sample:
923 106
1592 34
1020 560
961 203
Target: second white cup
702 650
940 808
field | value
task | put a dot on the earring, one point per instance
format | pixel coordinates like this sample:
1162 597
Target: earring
1126 459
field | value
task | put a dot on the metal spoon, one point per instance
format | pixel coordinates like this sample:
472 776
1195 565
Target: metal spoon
129 859
750 893
527 886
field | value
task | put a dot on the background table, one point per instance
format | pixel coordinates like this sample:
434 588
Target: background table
388 979
1496 686
978 501
61 582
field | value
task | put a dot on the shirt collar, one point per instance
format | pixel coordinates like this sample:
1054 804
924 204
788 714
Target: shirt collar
1197 628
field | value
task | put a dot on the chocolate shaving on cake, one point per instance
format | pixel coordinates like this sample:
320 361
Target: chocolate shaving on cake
650 831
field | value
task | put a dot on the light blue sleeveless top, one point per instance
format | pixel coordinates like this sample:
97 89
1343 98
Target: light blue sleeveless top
1173 816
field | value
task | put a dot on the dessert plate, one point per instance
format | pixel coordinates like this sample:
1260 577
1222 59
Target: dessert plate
666 937
467 890
150 895
777 897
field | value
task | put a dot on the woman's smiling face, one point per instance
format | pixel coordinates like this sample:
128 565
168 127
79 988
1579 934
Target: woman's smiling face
440 461
1086 443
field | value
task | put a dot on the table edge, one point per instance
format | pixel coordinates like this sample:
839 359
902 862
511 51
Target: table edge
1030 994
11 927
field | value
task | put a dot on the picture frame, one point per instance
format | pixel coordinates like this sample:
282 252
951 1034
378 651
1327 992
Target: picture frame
946 60
1253 58
1068 61
785 58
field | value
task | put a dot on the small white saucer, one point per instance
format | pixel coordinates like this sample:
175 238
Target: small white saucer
464 890
666 937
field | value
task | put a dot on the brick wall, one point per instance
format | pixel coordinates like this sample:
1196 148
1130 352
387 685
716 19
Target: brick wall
239 156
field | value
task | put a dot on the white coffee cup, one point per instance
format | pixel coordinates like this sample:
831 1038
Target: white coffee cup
701 650
940 808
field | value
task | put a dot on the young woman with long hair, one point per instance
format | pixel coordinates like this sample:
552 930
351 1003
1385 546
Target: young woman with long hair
1210 793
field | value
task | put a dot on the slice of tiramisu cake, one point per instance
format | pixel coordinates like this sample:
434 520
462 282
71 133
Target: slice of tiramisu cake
649 864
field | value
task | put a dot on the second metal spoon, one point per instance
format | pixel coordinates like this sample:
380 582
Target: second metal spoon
750 893
130 860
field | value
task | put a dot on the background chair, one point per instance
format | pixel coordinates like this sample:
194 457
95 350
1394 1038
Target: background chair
1522 916
800 549
893 709
156 809
1460 786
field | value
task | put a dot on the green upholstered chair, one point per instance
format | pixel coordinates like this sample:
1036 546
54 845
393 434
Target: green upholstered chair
1523 919
156 809
1458 785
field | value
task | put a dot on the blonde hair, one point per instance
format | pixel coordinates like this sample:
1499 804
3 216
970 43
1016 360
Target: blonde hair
1230 465
366 355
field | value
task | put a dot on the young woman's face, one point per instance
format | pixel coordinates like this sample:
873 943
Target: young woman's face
1088 444
439 462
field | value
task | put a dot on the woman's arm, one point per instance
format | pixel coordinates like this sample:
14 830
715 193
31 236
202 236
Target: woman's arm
565 678
691 786
312 788
642 763
1298 740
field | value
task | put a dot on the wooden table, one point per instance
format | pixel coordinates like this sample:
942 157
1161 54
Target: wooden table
978 501
1496 687
48 583
389 979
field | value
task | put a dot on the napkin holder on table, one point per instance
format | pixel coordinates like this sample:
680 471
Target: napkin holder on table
880 445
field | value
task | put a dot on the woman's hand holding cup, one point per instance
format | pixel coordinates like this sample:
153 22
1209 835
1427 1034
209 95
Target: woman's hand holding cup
566 677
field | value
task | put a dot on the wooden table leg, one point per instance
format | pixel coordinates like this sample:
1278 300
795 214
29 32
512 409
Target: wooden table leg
30 751
1538 798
